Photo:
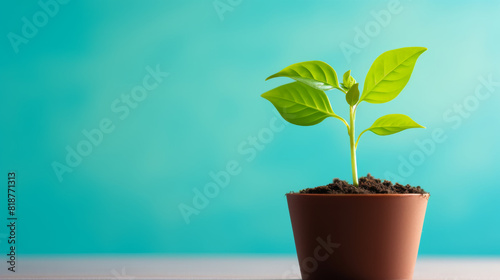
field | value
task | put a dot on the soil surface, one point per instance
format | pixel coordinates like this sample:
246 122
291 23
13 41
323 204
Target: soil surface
367 185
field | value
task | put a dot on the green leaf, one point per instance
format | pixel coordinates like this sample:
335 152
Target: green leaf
348 80
389 74
393 123
316 74
352 95
390 124
300 104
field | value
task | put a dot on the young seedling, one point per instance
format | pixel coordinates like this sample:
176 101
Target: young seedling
305 103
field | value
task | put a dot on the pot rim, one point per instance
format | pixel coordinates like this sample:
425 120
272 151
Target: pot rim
427 195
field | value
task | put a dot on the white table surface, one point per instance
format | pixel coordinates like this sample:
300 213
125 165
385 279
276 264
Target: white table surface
221 267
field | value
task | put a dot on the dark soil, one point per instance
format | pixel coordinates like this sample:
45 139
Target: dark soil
367 185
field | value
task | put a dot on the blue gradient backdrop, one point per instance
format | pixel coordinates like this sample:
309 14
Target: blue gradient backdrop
125 196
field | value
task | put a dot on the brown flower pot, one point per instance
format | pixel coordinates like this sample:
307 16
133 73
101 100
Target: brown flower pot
357 236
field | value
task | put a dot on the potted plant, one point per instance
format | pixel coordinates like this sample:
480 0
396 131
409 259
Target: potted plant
368 229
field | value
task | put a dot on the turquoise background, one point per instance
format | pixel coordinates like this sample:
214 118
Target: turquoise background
125 195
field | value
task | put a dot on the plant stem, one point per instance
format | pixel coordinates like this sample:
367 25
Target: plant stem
352 116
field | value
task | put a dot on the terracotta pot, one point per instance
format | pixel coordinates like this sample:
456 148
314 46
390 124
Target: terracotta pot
372 236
